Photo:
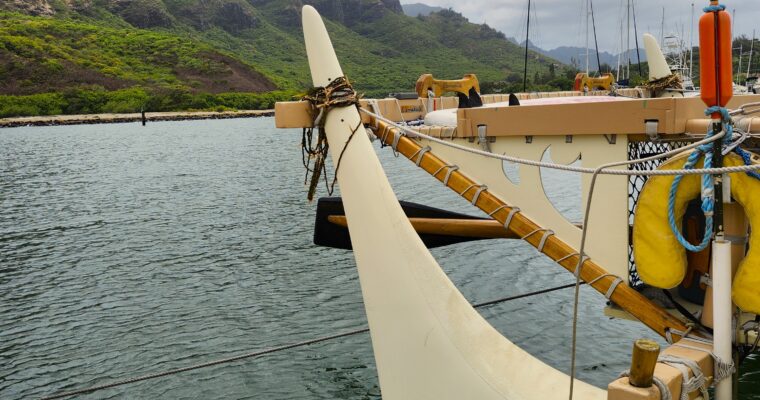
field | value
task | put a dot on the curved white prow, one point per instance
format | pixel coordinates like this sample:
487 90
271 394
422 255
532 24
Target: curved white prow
658 66
429 343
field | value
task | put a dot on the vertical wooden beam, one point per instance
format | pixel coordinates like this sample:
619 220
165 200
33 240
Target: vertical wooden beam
643 361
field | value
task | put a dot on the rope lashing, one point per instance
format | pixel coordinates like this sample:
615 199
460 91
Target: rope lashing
719 7
339 93
480 190
501 207
672 81
708 186
542 242
510 216
708 194
420 153
688 384
615 283
723 369
664 389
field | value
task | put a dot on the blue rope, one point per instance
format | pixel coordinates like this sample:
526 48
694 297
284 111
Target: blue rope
747 161
708 187
719 7
708 198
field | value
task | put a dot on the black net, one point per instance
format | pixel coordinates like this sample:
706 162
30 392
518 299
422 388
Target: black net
637 150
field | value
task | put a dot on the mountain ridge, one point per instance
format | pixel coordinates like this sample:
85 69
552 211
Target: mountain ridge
193 48
417 9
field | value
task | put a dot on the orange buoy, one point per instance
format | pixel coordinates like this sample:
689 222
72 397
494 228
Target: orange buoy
716 60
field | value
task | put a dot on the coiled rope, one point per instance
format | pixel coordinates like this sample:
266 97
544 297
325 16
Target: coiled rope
708 185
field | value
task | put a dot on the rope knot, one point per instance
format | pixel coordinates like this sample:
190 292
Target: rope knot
339 93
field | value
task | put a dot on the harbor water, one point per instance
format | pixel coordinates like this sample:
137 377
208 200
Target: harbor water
128 250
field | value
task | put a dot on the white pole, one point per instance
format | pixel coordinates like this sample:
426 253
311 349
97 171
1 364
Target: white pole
691 43
628 42
662 28
739 69
751 48
587 44
620 54
722 311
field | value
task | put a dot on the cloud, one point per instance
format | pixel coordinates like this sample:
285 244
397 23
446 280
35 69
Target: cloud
557 23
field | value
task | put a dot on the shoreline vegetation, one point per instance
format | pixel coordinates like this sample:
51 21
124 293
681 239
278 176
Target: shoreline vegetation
97 100
84 119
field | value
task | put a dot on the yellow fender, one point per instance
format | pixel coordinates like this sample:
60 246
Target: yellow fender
661 260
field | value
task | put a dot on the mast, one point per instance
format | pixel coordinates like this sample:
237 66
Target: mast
739 69
691 43
662 28
527 37
628 40
596 42
751 48
620 54
636 36
587 26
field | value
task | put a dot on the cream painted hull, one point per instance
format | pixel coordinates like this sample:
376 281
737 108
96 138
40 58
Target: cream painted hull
429 343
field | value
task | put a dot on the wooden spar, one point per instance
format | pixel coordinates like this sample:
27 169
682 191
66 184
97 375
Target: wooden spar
673 116
486 228
629 299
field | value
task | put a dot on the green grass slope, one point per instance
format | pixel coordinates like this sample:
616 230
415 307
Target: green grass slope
68 56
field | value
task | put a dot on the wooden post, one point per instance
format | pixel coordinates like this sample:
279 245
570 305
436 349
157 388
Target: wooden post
142 111
643 361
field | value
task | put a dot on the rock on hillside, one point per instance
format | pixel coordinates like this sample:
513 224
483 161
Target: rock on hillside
32 7
417 9
142 13
231 15
345 12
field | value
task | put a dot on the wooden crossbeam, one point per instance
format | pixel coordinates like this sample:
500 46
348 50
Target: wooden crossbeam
629 299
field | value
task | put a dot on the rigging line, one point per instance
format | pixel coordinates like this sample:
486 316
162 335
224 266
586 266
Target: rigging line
636 36
527 42
605 171
584 233
596 42
365 329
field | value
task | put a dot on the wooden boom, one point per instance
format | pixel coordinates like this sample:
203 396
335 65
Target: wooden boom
475 228
629 299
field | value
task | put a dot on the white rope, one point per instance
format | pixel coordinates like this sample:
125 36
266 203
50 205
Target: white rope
688 384
585 170
664 389
722 369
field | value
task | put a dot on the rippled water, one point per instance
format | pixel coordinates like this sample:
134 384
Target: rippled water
127 250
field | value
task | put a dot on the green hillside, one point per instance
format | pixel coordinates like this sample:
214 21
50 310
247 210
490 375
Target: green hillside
86 56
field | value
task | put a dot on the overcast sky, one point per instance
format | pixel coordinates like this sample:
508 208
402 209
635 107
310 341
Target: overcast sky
557 23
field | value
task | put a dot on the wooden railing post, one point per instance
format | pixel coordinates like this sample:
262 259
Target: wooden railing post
643 361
